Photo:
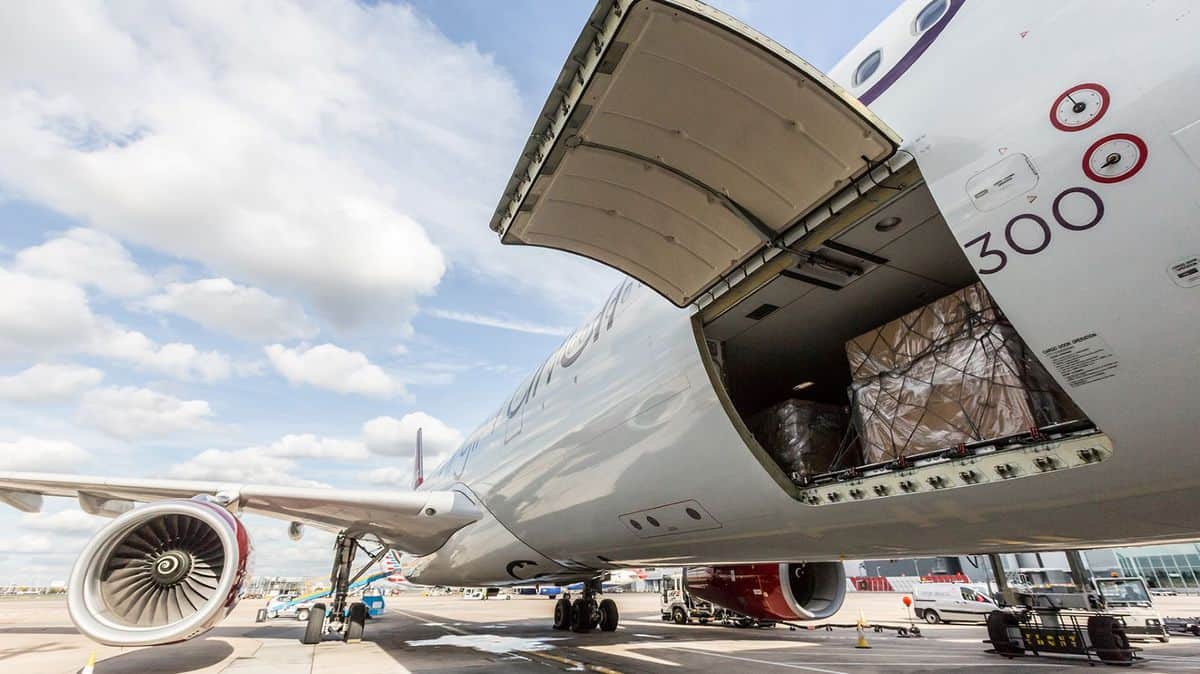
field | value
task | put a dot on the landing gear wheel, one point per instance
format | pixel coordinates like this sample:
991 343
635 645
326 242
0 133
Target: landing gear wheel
583 615
315 629
679 616
932 617
1108 636
302 615
998 625
340 616
562 614
356 621
609 617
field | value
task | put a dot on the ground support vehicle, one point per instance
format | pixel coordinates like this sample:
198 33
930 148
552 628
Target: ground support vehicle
1130 599
678 605
946 602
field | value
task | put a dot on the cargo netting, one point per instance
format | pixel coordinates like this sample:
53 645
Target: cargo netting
954 371
803 437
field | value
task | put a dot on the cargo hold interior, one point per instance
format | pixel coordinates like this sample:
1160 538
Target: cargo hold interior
786 339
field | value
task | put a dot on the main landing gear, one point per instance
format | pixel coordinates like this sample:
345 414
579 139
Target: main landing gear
585 614
340 619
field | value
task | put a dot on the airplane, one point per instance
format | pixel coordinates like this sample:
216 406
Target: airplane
765 214
394 575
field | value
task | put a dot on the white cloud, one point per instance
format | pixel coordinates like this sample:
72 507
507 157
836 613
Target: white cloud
311 446
333 368
336 160
41 313
39 454
27 544
244 312
280 161
132 413
181 361
398 437
499 322
249 465
45 316
389 476
49 381
87 257
65 522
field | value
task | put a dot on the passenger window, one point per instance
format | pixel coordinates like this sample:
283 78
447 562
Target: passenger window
867 68
929 16
967 594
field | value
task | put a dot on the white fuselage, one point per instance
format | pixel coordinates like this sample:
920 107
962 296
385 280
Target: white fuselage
624 417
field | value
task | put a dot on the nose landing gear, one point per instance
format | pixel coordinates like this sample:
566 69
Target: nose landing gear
585 614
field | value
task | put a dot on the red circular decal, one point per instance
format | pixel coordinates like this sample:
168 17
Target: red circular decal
1091 100
1110 149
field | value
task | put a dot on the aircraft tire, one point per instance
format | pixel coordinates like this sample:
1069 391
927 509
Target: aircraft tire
315 629
562 614
609 616
356 622
1107 635
998 624
582 615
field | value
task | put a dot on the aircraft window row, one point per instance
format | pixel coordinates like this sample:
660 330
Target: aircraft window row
926 19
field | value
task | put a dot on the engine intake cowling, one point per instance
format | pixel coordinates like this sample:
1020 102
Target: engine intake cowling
789 591
165 572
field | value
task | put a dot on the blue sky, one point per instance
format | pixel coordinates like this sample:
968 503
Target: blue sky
253 244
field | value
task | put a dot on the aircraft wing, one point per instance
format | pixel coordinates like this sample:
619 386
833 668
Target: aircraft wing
417 522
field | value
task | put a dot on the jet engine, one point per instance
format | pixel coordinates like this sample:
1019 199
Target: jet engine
161 573
789 591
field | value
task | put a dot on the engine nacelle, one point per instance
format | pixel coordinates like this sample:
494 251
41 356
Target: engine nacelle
162 573
789 591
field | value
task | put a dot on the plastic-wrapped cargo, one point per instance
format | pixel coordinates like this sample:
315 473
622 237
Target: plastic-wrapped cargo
802 436
953 371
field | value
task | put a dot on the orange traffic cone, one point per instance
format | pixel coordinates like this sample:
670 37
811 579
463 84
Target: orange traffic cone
862 636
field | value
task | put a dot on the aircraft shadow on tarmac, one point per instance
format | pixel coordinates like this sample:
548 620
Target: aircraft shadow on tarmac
39 630
48 647
175 659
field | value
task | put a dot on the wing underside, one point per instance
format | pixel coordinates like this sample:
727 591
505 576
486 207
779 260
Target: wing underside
417 522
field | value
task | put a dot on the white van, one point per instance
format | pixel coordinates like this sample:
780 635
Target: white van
946 602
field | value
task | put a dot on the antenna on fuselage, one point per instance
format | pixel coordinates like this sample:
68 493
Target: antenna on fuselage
418 465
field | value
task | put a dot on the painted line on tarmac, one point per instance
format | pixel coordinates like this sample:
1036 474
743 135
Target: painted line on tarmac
761 662
635 650
811 667
536 655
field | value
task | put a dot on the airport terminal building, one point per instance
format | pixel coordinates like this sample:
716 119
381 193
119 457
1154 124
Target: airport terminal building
1164 567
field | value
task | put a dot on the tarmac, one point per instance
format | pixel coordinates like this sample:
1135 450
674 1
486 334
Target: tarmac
452 634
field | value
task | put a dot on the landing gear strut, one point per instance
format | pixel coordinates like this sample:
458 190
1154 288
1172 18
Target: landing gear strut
349 622
585 614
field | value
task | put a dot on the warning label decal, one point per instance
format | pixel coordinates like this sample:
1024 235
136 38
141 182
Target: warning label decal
1083 360
1186 272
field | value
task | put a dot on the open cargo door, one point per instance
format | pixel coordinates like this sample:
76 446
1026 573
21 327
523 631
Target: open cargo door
678 143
